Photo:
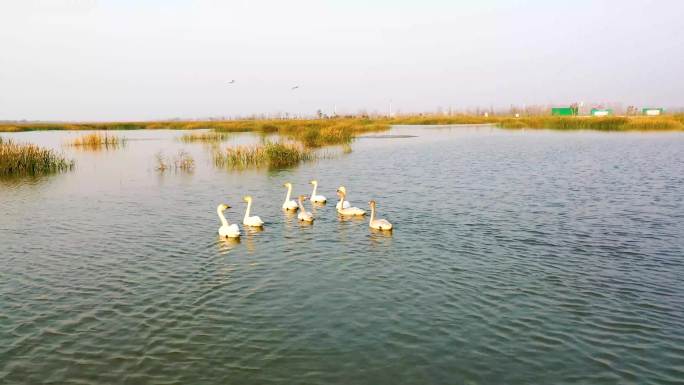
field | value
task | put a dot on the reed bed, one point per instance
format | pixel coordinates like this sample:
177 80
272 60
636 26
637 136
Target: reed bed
612 123
311 133
29 159
97 141
269 154
205 137
654 124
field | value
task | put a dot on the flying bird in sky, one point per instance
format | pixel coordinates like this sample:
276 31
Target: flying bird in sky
232 81
294 88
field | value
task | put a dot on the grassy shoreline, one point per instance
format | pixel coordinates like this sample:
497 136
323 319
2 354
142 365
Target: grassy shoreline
322 132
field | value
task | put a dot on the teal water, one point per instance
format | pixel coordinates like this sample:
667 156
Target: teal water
518 257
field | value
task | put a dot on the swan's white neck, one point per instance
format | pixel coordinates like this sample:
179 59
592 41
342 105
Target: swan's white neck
372 217
289 191
313 194
223 219
301 205
342 196
249 207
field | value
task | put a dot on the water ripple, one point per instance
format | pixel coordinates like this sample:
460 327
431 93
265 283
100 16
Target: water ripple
517 258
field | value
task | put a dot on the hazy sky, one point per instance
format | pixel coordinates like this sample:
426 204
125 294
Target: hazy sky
126 60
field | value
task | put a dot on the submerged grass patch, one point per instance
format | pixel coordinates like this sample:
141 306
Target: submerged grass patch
182 161
29 159
97 141
272 155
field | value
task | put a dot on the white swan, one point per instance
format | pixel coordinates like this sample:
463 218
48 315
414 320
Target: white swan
378 224
226 230
348 211
303 214
253 221
316 198
289 204
342 204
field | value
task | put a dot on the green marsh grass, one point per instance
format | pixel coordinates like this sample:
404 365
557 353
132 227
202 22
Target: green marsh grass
268 154
29 159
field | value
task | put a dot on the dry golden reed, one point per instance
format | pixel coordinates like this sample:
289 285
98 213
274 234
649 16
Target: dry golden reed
97 141
29 159
205 137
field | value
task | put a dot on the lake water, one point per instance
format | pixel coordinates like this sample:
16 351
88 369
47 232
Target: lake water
518 257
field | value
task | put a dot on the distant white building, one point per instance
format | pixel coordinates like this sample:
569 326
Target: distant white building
652 111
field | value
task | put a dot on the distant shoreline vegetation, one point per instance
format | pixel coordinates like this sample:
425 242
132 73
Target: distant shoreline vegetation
341 130
301 137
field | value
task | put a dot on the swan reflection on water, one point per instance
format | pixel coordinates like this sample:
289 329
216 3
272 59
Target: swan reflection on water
290 218
253 230
251 233
226 245
380 238
355 218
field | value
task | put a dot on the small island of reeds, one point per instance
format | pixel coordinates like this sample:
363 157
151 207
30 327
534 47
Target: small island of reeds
268 154
97 141
28 159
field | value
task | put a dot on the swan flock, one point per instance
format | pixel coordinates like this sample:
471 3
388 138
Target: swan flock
343 208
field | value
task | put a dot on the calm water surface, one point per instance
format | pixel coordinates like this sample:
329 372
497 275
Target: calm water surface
518 257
